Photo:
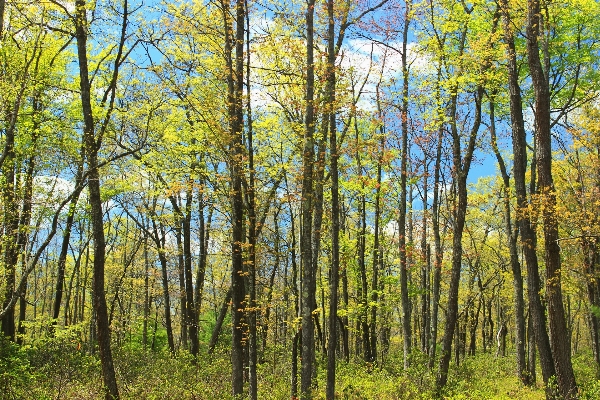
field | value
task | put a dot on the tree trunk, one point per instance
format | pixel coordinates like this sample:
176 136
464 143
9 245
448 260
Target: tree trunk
528 240
559 338
181 274
308 282
531 343
159 239
406 307
219 323
62 258
461 171
435 221
10 232
335 208
514 255
362 328
204 236
146 294
92 142
192 318
235 83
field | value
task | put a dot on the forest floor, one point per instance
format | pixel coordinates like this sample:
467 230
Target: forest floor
61 369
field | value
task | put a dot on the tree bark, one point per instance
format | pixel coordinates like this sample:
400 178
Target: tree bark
219 323
192 318
62 258
406 306
335 208
559 337
92 141
308 281
235 84
183 329
437 247
461 170
159 239
514 255
528 239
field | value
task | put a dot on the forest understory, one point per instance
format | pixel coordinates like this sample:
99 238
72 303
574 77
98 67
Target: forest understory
61 369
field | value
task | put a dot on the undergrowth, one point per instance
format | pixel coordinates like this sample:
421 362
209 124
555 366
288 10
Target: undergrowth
59 368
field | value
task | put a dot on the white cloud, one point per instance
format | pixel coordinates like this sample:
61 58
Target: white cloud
48 193
380 62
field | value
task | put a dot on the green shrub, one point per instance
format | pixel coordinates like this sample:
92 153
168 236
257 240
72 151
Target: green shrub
16 376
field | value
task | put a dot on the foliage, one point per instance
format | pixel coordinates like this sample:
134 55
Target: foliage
17 378
165 166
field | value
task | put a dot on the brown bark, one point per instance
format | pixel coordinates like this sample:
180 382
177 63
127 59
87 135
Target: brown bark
559 336
308 281
92 139
62 258
523 220
253 230
335 208
219 323
235 83
438 255
461 165
406 306
514 255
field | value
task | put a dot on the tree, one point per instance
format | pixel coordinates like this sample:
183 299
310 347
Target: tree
406 307
335 206
512 245
94 130
461 161
235 82
561 348
308 155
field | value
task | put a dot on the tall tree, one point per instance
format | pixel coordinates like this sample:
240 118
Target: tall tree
92 139
514 255
461 162
335 207
406 306
234 39
559 337
523 220
308 156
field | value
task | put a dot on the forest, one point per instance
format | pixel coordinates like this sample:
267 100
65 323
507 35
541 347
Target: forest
336 199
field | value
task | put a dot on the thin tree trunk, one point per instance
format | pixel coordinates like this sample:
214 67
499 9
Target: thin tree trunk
461 170
235 83
514 256
159 239
10 233
183 336
92 143
64 250
192 319
435 221
2 6
294 286
406 306
204 236
219 323
253 231
146 294
335 209
308 284
531 343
